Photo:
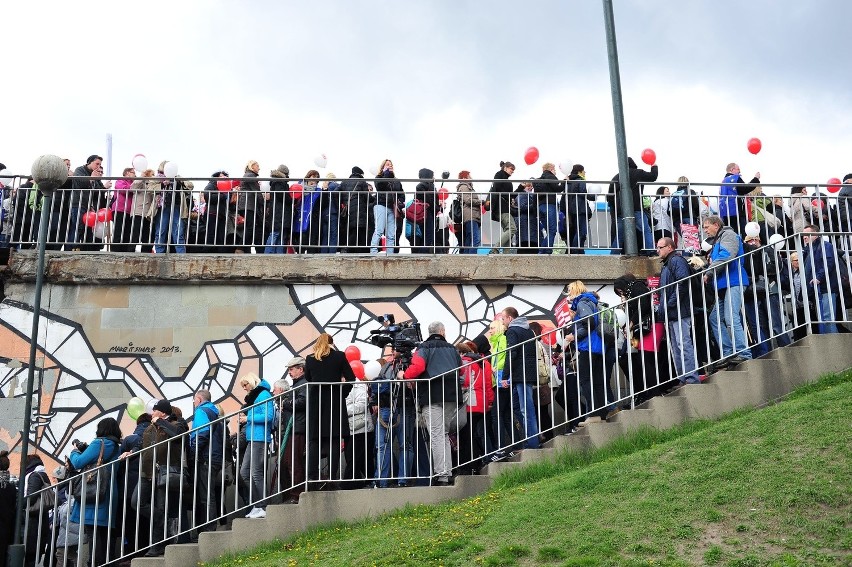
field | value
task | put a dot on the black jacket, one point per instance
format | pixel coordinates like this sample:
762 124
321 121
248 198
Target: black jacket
357 200
548 188
294 404
389 191
521 361
575 201
636 177
442 361
326 403
500 196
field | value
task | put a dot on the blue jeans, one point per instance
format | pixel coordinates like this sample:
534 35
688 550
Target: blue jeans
827 312
273 244
328 238
385 224
170 224
73 226
642 226
526 403
403 433
471 237
729 322
682 349
549 217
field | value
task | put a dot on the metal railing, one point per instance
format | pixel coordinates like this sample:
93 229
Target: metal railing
156 214
387 432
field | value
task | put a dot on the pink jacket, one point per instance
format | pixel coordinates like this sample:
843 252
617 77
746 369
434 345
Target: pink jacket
123 196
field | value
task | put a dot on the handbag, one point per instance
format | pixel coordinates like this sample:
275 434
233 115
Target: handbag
93 481
46 499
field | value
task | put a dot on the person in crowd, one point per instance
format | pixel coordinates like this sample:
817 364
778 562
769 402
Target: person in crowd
844 203
38 522
529 228
307 223
547 191
543 394
502 207
389 196
761 209
97 518
593 366
129 478
330 379
360 449
780 212
502 420
251 206
294 404
576 209
206 446
732 206
259 418
197 224
329 214
636 177
471 207
175 199
522 367
153 491
661 214
219 234
358 198
819 262
435 366
8 501
685 205
86 195
396 416
791 281
802 212
730 280
144 207
425 193
281 206
763 300
675 309
476 387
122 208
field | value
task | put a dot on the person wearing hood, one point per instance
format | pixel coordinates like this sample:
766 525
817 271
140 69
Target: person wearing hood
547 189
389 195
357 198
501 203
471 214
636 177
575 205
98 516
522 372
425 193
38 531
259 418
593 366
280 211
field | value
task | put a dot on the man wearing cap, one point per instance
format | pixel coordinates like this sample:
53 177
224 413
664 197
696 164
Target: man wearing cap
83 196
206 446
152 498
293 412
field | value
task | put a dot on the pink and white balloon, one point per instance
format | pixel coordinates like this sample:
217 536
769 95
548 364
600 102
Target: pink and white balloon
321 161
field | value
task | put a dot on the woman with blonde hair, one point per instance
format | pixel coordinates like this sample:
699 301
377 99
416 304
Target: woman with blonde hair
259 418
501 416
330 379
389 198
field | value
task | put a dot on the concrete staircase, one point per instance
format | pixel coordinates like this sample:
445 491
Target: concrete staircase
752 384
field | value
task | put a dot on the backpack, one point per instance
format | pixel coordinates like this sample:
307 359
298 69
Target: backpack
607 323
676 202
543 362
456 211
415 210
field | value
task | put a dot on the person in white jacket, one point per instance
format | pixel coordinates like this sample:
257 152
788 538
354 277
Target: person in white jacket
360 450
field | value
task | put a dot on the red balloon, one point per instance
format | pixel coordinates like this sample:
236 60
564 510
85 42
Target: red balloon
357 368
296 191
754 145
224 185
443 193
90 219
833 185
104 215
649 156
352 353
531 155
818 203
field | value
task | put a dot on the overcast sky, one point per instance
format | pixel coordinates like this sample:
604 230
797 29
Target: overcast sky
446 84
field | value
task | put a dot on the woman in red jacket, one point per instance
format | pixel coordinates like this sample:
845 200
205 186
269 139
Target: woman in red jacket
479 395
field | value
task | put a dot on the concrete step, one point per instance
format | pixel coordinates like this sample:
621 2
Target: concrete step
578 441
603 433
533 455
151 562
634 418
670 409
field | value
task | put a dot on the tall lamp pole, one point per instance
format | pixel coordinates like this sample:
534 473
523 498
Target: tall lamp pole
625 196
49 173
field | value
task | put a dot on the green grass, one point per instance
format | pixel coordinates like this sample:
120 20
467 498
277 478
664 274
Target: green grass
769 487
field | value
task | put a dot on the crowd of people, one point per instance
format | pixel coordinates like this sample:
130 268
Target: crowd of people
148 211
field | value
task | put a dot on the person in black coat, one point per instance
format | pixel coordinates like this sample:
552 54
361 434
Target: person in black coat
8 502
643 226
522 371
503 210
575 205
547 191
281 211
327 420
357 200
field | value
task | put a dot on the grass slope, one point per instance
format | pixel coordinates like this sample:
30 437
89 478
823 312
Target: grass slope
767 487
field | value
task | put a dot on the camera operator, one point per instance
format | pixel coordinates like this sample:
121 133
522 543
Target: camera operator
396 420
436 363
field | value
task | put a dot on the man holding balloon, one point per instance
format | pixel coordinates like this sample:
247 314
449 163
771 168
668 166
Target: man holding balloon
731 197
86 194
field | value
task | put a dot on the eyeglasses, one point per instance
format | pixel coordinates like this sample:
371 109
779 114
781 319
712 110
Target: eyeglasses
662 247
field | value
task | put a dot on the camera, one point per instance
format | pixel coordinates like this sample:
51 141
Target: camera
79 445
403 337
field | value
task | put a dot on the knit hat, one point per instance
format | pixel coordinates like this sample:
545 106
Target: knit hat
163 406
357 171
846 178
284 169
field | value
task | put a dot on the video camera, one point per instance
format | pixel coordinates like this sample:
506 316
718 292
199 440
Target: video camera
403 337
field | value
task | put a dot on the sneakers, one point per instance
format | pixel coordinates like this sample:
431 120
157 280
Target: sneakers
612 413
590 419
256 513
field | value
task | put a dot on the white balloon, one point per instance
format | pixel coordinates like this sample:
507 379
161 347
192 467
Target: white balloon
372 369
170 169
264 186
565 166
777 241
374 171
706 246
149 407
99 230
321 161
752 229
140 162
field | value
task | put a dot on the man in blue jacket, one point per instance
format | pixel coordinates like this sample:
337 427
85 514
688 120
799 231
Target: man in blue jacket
207 447
726 267
675 309
819 263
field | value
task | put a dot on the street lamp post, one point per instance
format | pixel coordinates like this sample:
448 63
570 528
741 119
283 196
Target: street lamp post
49 173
